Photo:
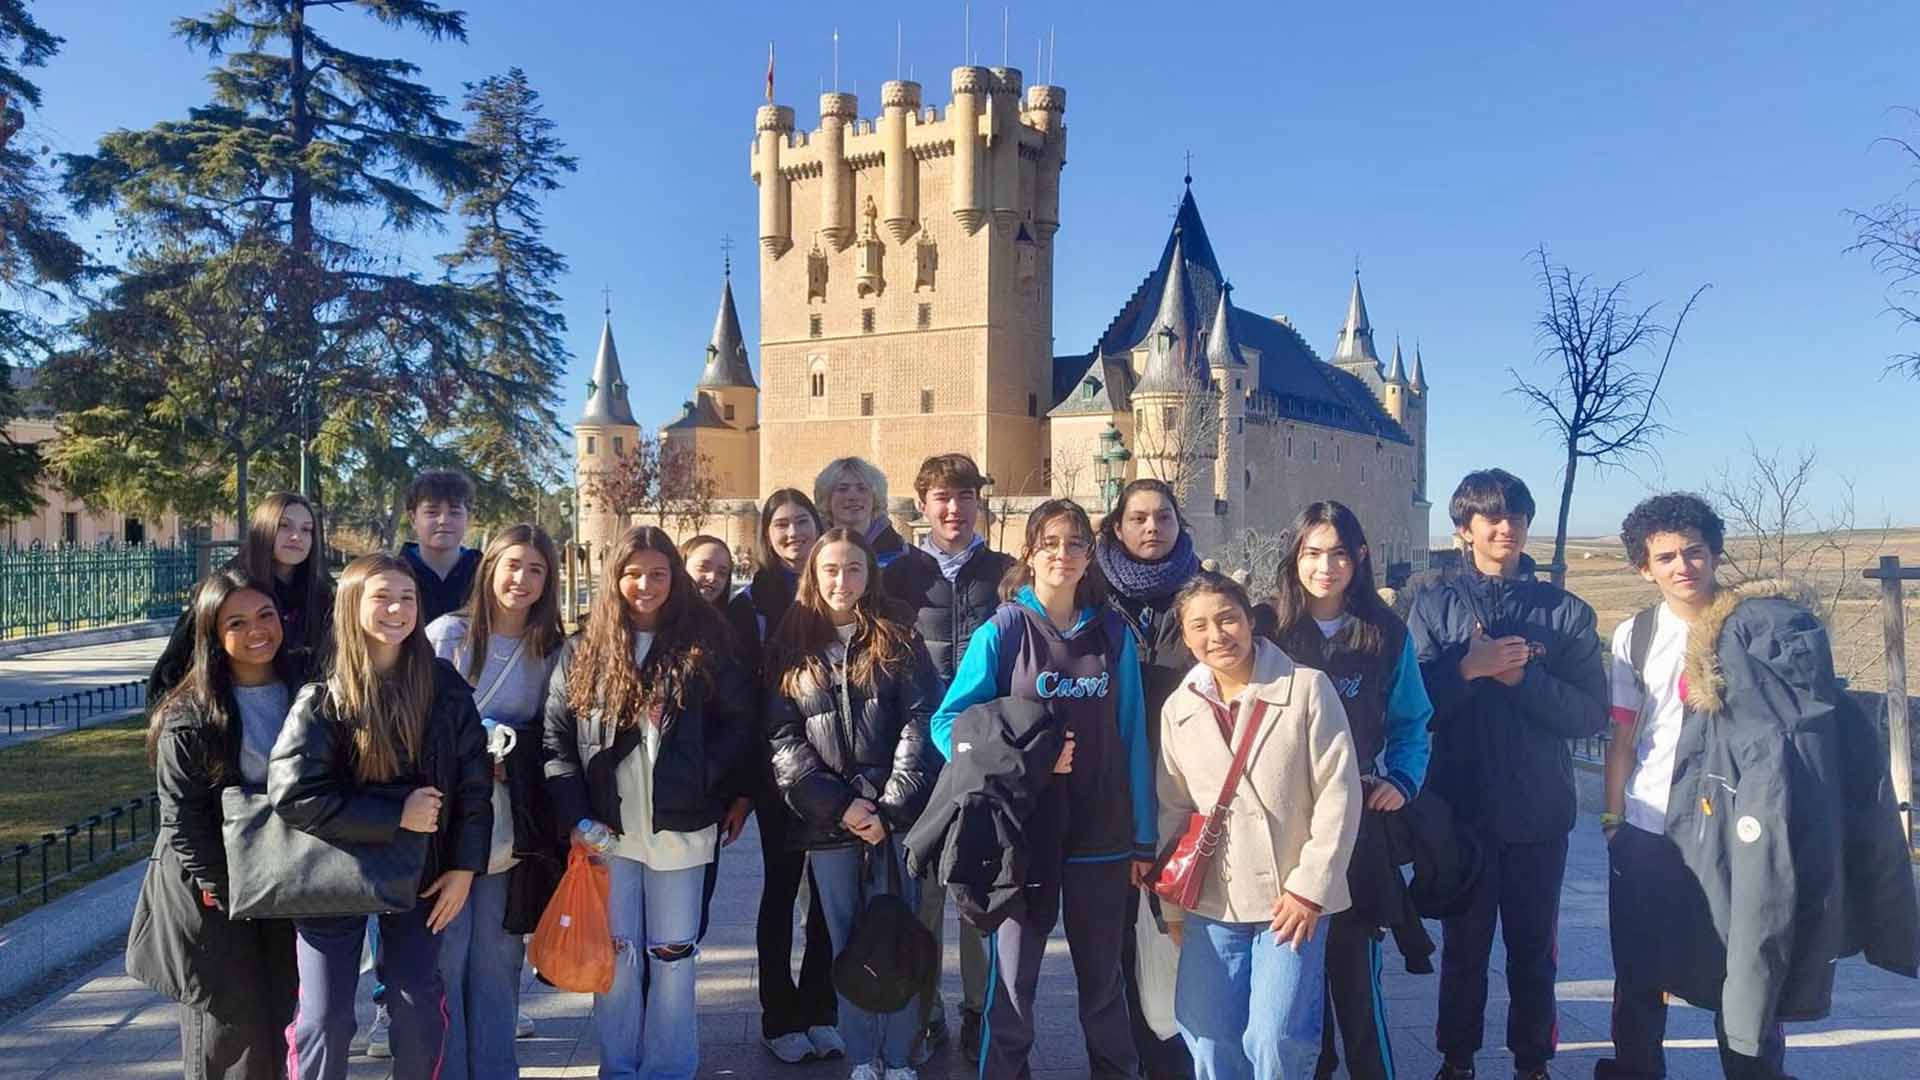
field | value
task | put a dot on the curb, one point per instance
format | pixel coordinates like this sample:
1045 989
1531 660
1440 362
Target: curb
80 639
39 943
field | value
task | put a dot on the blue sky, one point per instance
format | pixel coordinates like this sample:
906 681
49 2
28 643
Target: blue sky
1438 143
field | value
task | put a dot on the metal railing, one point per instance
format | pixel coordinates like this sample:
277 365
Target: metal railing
121 823
1591 748
50 590
74 706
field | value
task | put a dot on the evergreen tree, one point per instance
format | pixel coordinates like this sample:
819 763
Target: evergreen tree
509 271
306 166
36 255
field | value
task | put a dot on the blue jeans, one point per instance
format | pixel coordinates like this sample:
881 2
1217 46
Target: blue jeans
481 962
844 881
650 1032
1249 1006
328 953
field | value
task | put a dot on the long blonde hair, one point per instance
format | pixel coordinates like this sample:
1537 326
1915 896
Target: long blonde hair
387 714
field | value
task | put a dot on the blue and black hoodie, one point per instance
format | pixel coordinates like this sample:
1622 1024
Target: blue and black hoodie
1088 677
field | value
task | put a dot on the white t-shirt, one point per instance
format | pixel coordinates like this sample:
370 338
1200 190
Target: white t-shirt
633 779
1664 707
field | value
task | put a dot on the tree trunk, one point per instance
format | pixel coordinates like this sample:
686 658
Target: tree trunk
301 223
1566 507
240 463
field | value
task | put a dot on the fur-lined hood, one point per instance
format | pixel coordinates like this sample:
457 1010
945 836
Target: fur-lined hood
1706 683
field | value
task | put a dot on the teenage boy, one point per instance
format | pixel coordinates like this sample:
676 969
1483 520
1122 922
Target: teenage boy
1732 910
1512 664
439 502
951 580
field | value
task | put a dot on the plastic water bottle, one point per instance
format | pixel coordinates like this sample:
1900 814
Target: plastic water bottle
598 838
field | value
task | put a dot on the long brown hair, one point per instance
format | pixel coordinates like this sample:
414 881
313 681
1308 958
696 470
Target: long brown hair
207 686
1092 590
763 556
387 714
310 581
688 641
881 642
543 633
1369 612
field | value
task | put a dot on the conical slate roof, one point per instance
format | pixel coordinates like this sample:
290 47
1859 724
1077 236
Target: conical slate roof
1174 360
1222 350
1419 383
727 364
698 413
1396 371
607 394
1356 337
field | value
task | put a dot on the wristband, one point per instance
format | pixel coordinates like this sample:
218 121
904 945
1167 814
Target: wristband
1609 820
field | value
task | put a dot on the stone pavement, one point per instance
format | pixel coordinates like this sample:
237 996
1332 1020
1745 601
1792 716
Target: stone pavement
106 1027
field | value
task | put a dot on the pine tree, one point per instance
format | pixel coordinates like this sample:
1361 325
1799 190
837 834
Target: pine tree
36 255
510 274
304 166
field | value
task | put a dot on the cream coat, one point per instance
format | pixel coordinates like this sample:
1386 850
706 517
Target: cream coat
1294 817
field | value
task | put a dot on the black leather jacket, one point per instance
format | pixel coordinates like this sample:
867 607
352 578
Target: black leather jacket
842 741
310 778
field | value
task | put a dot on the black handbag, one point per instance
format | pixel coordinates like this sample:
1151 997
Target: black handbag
275 871
890 953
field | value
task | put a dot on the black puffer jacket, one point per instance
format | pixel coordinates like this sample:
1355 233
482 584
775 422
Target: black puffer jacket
242 972
1500 755
307 637
1784 813
310 778
838 742
1164 657
703 746
946 613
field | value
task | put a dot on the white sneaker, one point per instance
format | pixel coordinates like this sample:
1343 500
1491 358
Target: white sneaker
522 1026
864 1071
828 1043
793 1048
902 1074
379 1036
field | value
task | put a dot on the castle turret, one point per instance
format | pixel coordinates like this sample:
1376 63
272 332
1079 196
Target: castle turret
900 108
605 434
1393 394
1354 351
970 86
1171 440
772 126
837 111
1228 368
1174 359
1416 425
1003 141
721 425
1419 383
1046 111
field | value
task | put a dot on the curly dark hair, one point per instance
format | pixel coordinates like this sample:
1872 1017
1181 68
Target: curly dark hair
1673 512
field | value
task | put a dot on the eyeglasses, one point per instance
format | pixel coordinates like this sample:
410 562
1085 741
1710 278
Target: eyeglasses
1073 548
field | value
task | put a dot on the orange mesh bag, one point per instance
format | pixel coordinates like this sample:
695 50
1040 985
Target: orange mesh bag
573 946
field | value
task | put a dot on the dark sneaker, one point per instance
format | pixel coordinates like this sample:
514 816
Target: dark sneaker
1450 1071
1532 1074
970 1036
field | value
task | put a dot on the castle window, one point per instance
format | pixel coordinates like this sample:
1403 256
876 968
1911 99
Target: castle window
924 318
926 399
817 384
1236 382
1316 449
866 320
1363 474
1336 453
729 414
593 444
1033 405
813 326
1239 425
619 445
1089 387
1166 417
866 404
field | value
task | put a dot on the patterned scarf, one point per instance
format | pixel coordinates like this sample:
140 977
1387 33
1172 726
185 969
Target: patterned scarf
1138 579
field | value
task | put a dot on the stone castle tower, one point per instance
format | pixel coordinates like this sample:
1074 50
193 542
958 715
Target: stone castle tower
1403 397
605 432
906 280
720 427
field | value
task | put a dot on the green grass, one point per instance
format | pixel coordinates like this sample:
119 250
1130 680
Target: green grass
50 782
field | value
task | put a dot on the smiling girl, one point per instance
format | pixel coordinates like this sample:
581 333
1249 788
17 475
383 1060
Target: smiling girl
390 741
649 719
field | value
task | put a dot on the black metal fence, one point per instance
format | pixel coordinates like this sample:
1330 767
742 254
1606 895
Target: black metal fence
73 848
70 708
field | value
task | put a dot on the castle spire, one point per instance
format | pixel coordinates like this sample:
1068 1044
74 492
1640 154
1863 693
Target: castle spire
1222 350
607 392
1171 357
1419 382
727 364
1396 371
1356 337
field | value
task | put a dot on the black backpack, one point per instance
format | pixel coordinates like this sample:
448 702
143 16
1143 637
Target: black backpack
889 955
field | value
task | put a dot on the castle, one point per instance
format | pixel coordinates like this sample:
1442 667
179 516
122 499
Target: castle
906 302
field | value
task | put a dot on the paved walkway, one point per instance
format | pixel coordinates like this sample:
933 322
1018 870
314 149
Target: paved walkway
106 1027
37 676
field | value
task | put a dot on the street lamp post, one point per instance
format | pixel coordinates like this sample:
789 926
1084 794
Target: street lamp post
1110 466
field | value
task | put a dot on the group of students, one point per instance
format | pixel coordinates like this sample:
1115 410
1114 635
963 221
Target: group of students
872 702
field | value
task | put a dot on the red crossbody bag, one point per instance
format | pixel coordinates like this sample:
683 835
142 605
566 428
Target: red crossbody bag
1183 864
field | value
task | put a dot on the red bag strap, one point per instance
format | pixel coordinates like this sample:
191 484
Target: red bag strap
1240 755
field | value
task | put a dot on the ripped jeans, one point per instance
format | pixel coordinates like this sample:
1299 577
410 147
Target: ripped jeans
654 916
